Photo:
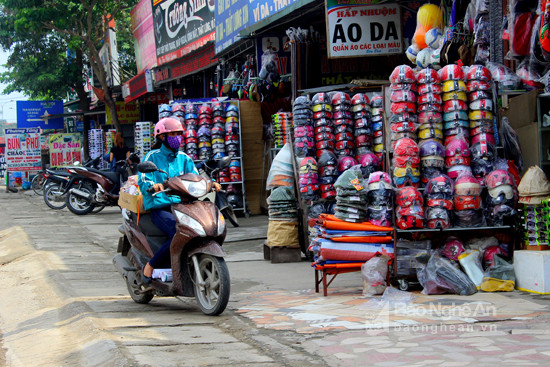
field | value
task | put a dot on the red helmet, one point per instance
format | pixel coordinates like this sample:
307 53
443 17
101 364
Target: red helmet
402 74
497 178
429 88
467 185
440 203
410 217
457 146
467 202
345 163
406 146
483 137
205 109
403 107
430 117
430 107
363 140
475 85
168 125
451 72
479 72
429 98
427 76
437 218
403 96
454 105
480 94
457 170
408 196
344 136
452 248
320 98
324 144
440 186
339 98
483 129
360 98
404 126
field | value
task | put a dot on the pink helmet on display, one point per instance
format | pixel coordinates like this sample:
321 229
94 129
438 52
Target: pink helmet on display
479 72
459 169
377 179
168 125
339 98
345 163
451 72
408 196
497 178
403 107
457 146
402 74
426 76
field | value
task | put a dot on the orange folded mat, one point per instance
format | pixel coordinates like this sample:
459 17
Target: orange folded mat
329 221
339 266
367 239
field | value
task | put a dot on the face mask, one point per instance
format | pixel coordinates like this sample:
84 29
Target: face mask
174 142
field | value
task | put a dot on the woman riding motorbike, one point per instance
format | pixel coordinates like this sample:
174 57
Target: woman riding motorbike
168 158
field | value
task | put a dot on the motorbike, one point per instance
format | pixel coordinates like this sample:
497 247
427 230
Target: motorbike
56 182
208 169
197 260
90 188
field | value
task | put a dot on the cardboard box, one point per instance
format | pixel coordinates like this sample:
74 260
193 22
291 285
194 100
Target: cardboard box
532 270
133 203
528 137
521 110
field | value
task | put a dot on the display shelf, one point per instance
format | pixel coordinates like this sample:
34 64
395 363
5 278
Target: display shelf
453 229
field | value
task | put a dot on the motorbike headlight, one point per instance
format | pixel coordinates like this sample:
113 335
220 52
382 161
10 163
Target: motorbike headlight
221 223
196 189
190 222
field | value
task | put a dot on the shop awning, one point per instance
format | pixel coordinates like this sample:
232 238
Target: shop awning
138 86
279 15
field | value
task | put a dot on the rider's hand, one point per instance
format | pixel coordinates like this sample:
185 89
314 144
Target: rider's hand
217 186
158 187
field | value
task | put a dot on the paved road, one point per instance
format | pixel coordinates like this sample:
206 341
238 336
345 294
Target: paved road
62 303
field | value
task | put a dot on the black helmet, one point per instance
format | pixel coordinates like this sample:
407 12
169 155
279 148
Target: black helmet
327 158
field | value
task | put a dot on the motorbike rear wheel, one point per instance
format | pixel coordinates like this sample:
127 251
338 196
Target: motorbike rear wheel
229 214
52 196
213 293
78 205
137 296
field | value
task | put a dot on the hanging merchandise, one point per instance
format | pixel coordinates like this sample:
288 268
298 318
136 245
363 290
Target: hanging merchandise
308 179
380 199
467 202
328 173
439 202
501 198
377 120
281 123
362 130
304 143
142 138
343 125
96 139
409 211
232 140
403 122
534 220
427 38
191 132
351 196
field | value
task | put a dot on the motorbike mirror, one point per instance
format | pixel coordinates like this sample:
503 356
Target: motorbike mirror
77 163
224 162
147 167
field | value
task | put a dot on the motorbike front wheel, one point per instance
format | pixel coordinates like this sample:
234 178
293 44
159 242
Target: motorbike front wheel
212 293
77 204
53 198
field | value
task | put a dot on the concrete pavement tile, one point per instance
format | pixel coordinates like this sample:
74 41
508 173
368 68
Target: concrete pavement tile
345 356
390 350
520 353
489 349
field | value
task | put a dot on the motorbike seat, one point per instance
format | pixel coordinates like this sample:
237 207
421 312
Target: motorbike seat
148 227
58 173
113 176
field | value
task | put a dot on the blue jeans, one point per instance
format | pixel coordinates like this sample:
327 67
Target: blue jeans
166 222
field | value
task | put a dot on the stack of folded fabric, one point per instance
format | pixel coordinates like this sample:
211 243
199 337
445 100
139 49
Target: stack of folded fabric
282 204
338 241
351 196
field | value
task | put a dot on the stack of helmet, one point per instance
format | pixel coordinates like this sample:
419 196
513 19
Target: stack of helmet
483 144
232 148
303 127
328 173
218 137
204 132
191 135
235 196
362 123
457 157
467 201
377 125
439 202
501 201
178 112
282 204
403 121
308 179
432 159
165 110
343 125
409 212
235 170
369 162
455 107
380 199
351 196
281 122
429 106
405 163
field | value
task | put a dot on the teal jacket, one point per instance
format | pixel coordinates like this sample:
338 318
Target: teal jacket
175 163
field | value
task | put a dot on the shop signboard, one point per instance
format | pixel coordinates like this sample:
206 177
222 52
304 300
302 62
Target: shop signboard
128 113
275 45
144 36
363 30
64 149
29 114
181 27
23 149
2 160
231 17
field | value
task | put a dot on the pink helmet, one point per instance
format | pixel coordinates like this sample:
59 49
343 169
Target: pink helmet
379 178
457 146
457 170
451 72
427 76
497 178
167 125
368 159
402 74
345 163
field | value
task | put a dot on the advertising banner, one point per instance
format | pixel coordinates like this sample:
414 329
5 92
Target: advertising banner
182 26
2 160
144 36
64 149
29 114
231 17
23 149
127 113
363 30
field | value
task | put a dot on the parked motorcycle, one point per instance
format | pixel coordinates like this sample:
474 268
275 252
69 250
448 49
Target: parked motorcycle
208 169
56 182
197 258
90 188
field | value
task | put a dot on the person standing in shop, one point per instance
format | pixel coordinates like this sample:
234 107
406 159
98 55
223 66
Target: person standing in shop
119 151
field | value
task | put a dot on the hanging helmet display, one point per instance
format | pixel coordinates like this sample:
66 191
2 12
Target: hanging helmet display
402 74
